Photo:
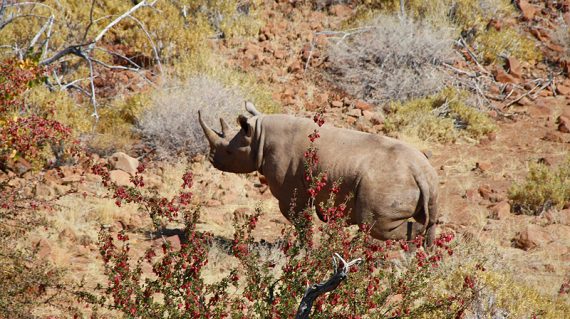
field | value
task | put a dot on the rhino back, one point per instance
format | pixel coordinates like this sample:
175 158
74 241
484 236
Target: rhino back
346 154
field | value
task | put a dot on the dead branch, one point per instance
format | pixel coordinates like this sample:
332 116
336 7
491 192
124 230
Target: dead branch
46 25
314 291
117 20
154 50
521 97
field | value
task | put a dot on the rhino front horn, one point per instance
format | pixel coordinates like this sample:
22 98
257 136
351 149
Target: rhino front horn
212 137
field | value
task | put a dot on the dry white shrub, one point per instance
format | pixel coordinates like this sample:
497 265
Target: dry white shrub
171 124
392 59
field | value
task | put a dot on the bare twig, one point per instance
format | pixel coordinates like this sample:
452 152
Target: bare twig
314 291
90 21
46 25
154 49
309 57
120 56
72 49
547 84
117 20
5 23
462 43
521 97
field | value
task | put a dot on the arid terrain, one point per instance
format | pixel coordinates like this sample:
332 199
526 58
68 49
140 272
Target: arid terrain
286 65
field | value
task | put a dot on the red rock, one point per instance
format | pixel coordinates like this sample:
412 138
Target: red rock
280 54
363 105
563 124
322 98
45 190
44 248
555 47
337 103
486 191
373 117
547 160
528 11
124 162
504 77
553 137
121 178
67 234
495 24
563 90
500 211
354 113
471 194
71 179
532 236
514 67
340 10
483 166
295 67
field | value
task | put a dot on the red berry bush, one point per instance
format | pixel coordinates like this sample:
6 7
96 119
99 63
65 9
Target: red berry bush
393 280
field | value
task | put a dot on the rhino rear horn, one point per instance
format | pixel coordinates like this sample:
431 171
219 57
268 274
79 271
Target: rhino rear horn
251 109
225 127
242 120
212 136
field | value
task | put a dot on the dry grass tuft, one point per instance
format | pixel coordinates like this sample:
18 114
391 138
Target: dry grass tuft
392 59
171 124
443 117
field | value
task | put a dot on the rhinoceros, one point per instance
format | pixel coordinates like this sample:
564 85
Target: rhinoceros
390 182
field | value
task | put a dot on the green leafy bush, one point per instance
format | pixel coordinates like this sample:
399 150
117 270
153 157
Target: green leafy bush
443 117
543 188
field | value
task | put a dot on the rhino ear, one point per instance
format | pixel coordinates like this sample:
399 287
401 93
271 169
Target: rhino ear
242 120
251 108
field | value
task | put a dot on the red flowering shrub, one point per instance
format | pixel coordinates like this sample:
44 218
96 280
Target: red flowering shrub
392 281
24 133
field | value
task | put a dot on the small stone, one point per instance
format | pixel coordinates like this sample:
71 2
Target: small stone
532 236
44 248
354 113
500 211
71 179
337 103
528 11
294 67
280 54
483 166
67 234
563 90
553 137
504 77
45 191
373 117
124 162
514 67
563 124
361 105
121 178
547 160
486 191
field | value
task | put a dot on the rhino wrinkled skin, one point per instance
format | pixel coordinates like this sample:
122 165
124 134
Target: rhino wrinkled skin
390 181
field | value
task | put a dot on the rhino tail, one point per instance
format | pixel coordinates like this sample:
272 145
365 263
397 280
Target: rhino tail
427 204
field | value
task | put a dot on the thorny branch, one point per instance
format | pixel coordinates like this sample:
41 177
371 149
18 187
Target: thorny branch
314 291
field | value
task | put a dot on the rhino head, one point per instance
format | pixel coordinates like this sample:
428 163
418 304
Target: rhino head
232 151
